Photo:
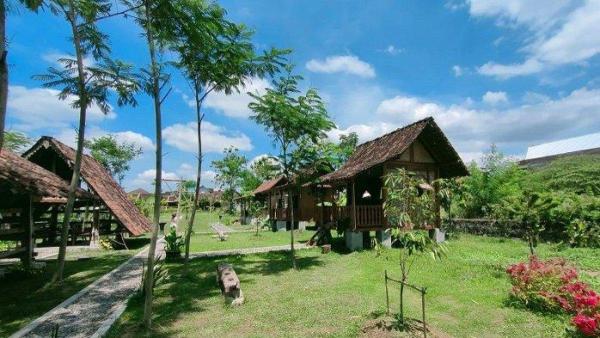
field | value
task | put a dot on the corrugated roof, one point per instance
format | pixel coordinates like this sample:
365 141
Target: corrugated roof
392 145
569 145
100 181
22 176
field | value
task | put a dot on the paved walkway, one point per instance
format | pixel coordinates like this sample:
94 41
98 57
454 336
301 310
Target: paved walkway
90 312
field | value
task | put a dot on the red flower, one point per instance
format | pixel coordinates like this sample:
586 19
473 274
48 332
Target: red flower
587 325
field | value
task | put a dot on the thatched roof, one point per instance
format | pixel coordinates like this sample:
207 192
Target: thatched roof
99 181
266 186
392 145
20 176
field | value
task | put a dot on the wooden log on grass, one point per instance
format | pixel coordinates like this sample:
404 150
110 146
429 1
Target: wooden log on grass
229 283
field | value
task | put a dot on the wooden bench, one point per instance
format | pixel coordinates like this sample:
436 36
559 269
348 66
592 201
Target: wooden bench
221 230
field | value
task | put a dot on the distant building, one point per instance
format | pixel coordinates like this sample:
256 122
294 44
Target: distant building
542 154
139 193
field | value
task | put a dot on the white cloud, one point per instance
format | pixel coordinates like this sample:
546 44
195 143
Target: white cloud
146 178
494 98
188 172
53 57
214 138
235 105
472 130
500 71
561 32
138 139
458 71
68 136
392 50
37 108
348 64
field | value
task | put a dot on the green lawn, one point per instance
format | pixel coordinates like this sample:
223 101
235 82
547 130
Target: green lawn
238 240
24 298
337 294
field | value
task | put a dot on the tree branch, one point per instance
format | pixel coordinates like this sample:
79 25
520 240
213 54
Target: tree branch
167 94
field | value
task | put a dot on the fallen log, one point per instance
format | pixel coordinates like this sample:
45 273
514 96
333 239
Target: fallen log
229 283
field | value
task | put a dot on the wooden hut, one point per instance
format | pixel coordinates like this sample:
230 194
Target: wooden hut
29 193
116 211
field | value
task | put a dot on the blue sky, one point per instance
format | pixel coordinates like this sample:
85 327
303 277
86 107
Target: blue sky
514 73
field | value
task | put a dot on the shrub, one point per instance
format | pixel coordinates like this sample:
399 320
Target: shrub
174 242
553 285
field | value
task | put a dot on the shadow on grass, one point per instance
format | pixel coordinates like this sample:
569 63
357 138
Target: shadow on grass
25 297
183 293
537 309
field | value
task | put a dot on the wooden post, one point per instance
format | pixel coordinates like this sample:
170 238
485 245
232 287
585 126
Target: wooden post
53 228
387 296
354 204
437 204
27 223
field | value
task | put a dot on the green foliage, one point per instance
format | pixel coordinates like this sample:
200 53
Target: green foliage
529 210
105 243
115 156
145 205
406 205
230 171
498 179
174 241
159 276
15 141
266 168
577 174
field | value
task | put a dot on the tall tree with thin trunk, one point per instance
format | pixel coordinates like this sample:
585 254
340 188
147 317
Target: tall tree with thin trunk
289 118
86 84
215 55
4 7
157 19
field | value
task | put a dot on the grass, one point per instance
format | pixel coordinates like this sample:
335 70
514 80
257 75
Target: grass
239 240
337 294
26 297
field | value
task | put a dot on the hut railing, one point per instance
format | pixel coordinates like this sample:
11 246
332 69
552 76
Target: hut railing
367 216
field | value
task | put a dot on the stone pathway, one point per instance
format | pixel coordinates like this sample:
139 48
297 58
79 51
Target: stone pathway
90 312
247 251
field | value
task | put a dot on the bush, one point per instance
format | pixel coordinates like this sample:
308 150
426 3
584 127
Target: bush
553 285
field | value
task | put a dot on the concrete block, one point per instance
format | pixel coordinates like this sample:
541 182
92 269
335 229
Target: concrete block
280 225
302 225
354 240
384 238
437 235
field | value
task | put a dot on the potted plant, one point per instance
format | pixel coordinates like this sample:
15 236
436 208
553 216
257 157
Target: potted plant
174 243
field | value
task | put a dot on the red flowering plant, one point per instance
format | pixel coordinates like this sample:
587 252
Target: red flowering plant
553 285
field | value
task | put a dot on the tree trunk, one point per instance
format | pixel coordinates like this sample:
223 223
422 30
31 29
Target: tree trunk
149 280
290 206
62 251
188 233
3 70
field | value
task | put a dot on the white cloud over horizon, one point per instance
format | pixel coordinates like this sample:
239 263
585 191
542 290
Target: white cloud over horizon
37 108
214 138
472 130
348 64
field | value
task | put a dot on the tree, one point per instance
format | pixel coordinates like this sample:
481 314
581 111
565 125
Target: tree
406 207
215 55
15 141
4 5
266 168
115 156
230 170
289 118
496 180
158 19
86 84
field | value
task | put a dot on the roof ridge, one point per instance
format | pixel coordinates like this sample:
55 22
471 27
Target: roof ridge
427 119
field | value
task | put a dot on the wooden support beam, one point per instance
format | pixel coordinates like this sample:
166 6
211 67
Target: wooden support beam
27 224
354 203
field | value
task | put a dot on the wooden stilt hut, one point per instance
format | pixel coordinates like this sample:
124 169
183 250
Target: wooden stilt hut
115 212
28 194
